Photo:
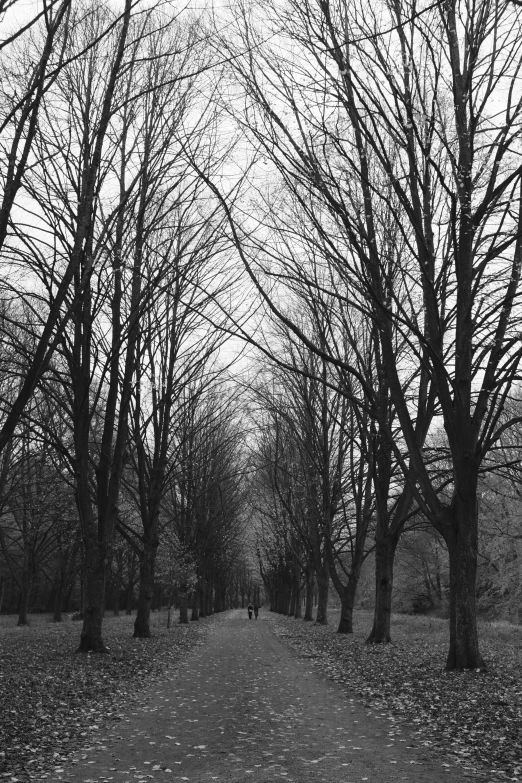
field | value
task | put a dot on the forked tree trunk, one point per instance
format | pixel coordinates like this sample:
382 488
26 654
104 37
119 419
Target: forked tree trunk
385 546
146 590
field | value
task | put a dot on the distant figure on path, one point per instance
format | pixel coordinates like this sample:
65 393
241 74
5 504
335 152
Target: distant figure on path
256 610
250 610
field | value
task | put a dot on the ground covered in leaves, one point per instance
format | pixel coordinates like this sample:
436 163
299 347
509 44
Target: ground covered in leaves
53 698
475 716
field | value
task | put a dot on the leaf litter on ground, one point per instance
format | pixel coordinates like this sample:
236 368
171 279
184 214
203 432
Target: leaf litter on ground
474 716
54 699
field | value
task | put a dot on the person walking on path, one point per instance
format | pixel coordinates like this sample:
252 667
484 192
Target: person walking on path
256 610
250 610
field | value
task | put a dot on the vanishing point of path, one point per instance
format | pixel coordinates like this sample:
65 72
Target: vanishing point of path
241 707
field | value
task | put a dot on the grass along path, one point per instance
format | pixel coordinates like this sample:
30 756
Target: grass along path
55 701
472 718
242 707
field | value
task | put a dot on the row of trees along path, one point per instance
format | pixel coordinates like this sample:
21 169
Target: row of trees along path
241 707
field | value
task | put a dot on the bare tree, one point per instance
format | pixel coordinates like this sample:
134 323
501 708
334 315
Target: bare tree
415 113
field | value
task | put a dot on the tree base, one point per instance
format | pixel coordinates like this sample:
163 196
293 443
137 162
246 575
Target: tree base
372 639
141 632
92 645
345 626
452 665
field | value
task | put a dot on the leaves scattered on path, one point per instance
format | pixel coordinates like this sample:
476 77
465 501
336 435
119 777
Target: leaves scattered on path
474 716
54 700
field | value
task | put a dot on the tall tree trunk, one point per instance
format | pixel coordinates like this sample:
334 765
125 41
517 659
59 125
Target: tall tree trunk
292 602
146 589
95 567
25 597
309 602
297 587
385 546
202 599
347 601
183 608
129 597
323 582
195 604
463 551
58 600
210 588
115 596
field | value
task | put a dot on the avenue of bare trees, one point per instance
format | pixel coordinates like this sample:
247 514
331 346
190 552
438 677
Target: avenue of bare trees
336 185
390 136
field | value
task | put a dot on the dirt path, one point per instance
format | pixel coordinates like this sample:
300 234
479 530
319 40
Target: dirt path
242 708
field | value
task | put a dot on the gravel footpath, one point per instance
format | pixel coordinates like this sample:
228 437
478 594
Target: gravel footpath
242 707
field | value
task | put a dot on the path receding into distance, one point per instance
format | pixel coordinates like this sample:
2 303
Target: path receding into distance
241 707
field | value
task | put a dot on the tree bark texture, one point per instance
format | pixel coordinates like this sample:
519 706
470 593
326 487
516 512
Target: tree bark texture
146 591
25 596
462 544
95 566
385 546
309 601
183 608
323 583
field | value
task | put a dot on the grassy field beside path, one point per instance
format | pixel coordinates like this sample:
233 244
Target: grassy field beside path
475 717
53 699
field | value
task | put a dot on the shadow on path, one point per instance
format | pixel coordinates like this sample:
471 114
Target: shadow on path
242 708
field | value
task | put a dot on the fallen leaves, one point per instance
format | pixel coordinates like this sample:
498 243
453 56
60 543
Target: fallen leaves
475 716
55 700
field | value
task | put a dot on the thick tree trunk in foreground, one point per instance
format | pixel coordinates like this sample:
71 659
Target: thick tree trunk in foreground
463 551
385 546
91 637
